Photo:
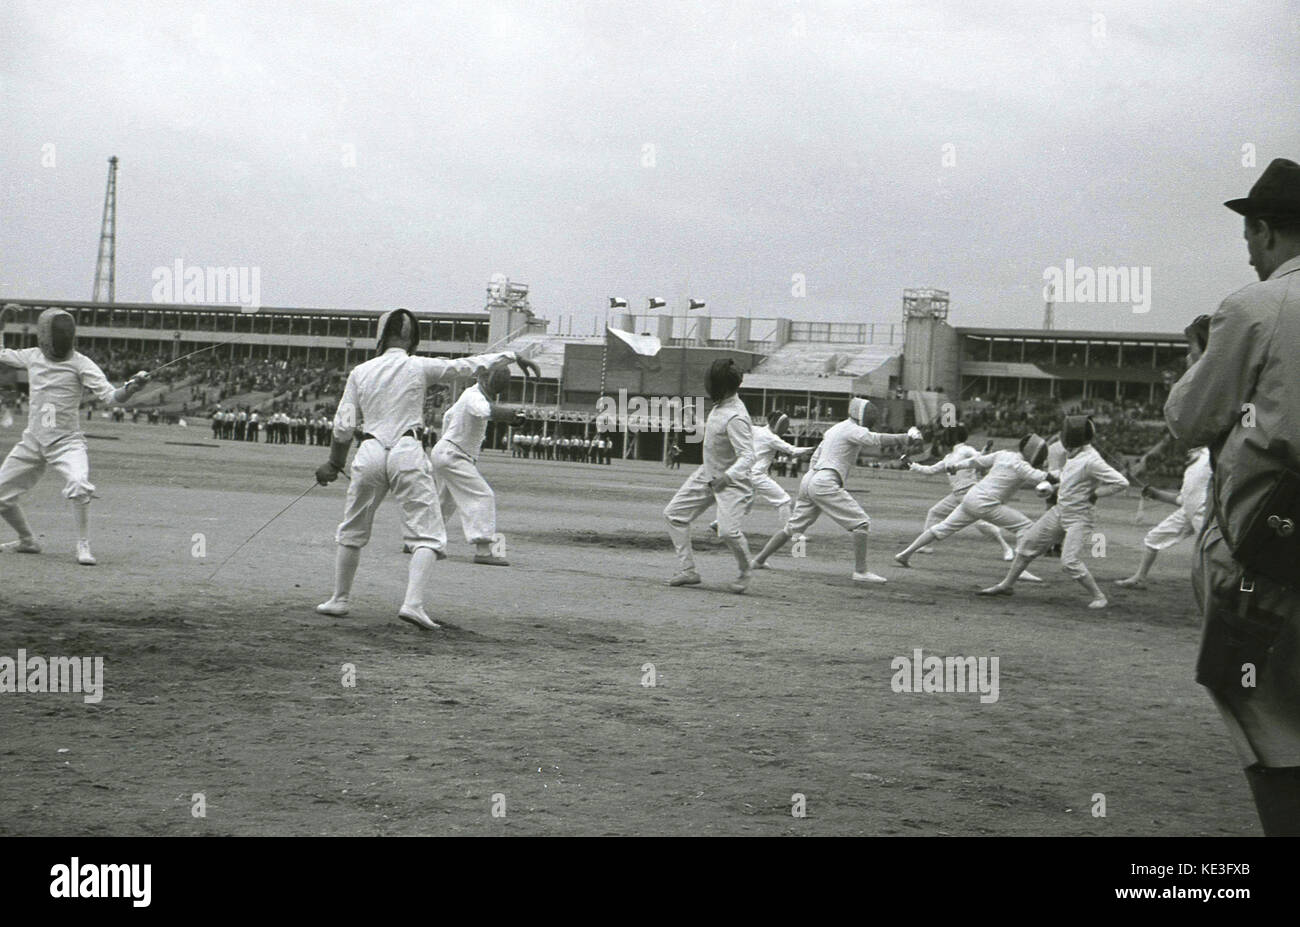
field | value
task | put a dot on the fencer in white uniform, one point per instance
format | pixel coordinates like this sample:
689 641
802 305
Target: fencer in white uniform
385 397
58 376
822 489
769 440
725 478
1184 521
461 488
1006 472
1085 477
960 480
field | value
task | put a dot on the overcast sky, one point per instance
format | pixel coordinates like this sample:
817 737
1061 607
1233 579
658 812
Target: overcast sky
675 149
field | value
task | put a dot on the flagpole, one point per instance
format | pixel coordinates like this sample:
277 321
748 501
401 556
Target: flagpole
604 359
604 354
681 390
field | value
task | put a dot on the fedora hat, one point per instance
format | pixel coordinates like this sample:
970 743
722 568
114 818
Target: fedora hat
1276 193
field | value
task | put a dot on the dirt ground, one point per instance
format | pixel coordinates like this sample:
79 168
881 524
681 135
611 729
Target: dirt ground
234 688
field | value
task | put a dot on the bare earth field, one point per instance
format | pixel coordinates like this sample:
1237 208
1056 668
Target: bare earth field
234 688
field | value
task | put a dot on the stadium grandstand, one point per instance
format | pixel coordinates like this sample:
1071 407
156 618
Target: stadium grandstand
1069 365
294 361
274 359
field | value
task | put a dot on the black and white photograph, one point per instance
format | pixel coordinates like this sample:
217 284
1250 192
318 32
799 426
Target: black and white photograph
709 418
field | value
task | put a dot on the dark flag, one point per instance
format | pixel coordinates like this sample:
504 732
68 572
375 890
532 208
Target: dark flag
616 303
657 303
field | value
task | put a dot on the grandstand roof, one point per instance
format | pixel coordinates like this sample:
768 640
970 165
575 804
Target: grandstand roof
1075 335
819 367
233 307
798 384
546 350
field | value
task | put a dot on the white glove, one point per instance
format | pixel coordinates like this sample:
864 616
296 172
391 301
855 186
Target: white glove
915 434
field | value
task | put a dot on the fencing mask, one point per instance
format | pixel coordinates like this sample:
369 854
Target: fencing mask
495 382
779 422
56 333
1034 449
1078 431
399 324
864 412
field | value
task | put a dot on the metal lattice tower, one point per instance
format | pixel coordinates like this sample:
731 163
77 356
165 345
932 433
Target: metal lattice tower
106 264
925 303
502 294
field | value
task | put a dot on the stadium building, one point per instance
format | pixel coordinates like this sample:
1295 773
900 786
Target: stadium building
809 370
302 343
1068 365
341 337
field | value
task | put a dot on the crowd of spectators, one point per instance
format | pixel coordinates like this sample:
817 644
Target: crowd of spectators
300 396
213 378
1012 418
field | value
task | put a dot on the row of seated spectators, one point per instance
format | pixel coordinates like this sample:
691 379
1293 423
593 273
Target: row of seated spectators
216 378
297 389
219 379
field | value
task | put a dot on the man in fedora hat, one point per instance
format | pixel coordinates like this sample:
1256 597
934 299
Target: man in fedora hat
1241 399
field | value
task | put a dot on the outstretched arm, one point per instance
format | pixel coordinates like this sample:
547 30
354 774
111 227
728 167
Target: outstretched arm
444 369
940 466
1032 476
11 357
94 381
1166 441
786 448
131 387
909 438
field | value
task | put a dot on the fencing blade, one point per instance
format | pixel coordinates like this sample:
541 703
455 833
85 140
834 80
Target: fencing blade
259 531
210 347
